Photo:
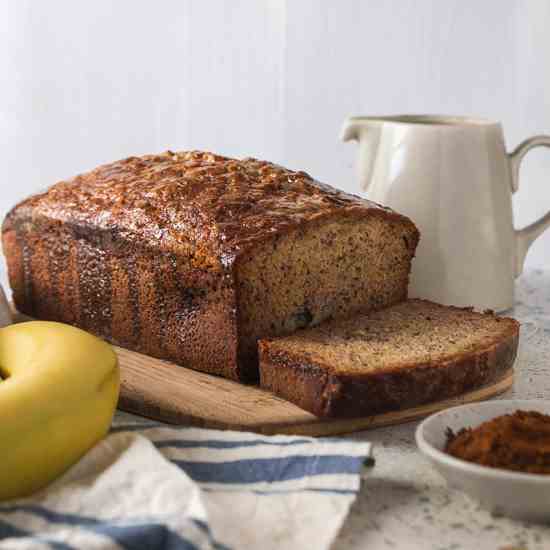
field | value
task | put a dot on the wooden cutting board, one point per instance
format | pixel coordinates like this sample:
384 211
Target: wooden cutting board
163 391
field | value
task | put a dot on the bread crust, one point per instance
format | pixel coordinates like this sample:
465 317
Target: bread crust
326 394
145 251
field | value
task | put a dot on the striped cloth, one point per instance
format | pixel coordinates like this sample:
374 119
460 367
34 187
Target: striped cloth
151 486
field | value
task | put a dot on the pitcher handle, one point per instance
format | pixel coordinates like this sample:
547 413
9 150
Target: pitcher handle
526 236
368 136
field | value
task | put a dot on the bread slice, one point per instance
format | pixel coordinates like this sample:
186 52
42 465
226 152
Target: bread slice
412 353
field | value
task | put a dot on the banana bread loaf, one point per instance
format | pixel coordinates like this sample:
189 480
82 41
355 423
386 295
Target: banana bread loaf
409 354
192 256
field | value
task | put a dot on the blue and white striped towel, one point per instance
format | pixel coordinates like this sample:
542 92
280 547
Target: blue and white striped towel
151 486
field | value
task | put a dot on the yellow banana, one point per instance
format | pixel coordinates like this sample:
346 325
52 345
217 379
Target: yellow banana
58 394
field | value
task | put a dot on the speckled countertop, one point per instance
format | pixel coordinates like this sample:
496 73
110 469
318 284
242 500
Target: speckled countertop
405 504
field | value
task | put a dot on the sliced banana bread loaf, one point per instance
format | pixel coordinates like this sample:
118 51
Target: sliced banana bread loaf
408 354
192 256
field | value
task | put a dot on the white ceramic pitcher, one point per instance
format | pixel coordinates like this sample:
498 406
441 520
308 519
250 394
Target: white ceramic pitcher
453 177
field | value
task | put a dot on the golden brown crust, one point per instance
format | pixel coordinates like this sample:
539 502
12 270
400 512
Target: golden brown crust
214 206
315 388
144 251
145 302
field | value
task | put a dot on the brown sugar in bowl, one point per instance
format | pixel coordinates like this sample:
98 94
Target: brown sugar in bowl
518 442
524 496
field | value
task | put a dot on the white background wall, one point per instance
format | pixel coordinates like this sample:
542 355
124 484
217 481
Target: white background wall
88 82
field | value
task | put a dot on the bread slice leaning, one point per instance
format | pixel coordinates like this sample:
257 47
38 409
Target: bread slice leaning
412 353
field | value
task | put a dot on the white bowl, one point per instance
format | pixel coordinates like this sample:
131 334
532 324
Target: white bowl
514 494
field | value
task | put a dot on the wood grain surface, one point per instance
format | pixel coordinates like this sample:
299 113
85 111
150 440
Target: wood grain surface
163 391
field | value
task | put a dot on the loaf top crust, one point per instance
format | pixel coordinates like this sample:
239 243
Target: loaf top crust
206 205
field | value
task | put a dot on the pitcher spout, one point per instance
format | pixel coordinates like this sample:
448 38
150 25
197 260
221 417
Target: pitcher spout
367 133
350 130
